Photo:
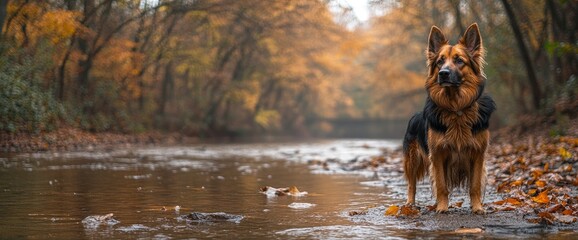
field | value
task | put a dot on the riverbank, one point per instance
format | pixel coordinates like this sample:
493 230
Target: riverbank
72 139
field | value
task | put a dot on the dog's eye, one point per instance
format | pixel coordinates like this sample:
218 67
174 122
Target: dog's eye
440 62
459 61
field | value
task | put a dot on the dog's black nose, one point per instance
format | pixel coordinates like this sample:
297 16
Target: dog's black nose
444 74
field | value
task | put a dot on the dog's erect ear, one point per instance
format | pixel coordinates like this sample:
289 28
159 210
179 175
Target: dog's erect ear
472 39
436 40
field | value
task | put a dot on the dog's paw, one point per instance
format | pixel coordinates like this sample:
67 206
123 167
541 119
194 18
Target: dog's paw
441 209
479 211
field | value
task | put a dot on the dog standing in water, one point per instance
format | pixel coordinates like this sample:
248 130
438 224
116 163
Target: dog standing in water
449 138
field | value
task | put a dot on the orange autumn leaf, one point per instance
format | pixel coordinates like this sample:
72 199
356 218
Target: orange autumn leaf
540 183
516 183
546 215
408 211
532 191
541 198
537 173
392 210
293 190
513 201
501 202
567 212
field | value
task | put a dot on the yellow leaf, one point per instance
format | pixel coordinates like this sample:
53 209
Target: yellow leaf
564 154
541 198
392 210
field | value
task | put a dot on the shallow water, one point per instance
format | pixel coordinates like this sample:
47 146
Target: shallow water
149 190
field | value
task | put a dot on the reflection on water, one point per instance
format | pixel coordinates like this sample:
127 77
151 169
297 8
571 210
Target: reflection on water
150 192
149 189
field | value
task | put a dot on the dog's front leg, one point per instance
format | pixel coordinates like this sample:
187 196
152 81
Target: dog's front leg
477 182
438 159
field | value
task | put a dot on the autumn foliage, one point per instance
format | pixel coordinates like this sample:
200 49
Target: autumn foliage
248 67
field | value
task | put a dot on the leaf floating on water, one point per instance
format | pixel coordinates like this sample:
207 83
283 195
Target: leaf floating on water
291 191
468 230
392 210
541 198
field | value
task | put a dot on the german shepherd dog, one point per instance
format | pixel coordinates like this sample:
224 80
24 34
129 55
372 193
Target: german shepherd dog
449 137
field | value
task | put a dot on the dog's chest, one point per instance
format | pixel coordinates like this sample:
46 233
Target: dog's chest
459 134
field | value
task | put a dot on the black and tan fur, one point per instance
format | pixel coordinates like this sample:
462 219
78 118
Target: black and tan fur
448 139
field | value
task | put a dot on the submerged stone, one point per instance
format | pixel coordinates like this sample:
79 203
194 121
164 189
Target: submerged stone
95 221
213 217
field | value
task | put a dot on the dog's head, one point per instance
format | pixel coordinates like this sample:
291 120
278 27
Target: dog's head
455 69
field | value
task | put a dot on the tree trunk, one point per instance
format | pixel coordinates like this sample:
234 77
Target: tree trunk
167 83
3 6
534 84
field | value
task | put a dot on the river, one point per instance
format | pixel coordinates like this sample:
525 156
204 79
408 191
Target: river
151 190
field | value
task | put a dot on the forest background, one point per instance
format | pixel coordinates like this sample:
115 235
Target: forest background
252 67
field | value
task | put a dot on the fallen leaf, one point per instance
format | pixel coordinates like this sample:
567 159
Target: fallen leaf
516 183
501 202
564 153
392 210
506 208
567 212
555 208
355 213
541 198
540 183
532 191
408 211
293 190
468 230
458 204
513 201
565 218
431 207
536 173
548 217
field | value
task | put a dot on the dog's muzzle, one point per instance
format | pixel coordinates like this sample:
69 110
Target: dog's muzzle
447 78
